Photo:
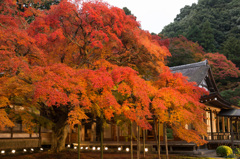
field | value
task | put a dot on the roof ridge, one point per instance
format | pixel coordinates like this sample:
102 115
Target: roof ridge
191 65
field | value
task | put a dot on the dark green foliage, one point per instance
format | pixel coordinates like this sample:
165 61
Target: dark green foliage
183 52
210 23
232 95
231 156
224 151
127 11
207 40
231 49
169 133
195 34
236 151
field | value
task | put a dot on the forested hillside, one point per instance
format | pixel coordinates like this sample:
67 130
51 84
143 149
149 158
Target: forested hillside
214 24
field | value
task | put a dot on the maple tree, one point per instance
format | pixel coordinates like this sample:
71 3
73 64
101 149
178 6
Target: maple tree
79 58
221 66
184 51
177 104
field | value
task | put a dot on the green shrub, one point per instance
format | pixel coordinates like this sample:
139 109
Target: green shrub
224 151
231 156
236 151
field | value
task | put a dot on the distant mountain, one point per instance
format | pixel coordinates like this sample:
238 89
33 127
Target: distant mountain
214 24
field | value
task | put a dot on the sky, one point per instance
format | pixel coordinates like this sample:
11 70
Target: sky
153 14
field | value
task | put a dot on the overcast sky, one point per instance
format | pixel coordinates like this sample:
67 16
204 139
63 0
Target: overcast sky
153 14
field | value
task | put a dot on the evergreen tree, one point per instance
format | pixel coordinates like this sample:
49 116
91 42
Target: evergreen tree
127 11
207 37
231 49
194 34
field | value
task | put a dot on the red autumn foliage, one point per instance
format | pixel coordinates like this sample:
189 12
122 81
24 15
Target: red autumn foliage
222 67
70 61
177 103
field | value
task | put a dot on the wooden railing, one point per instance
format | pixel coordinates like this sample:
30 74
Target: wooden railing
223 136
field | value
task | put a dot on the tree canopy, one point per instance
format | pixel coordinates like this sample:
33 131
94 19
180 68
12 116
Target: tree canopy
83 58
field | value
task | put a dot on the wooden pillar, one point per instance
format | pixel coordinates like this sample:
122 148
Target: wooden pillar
223 128
117 131
40 136
223 124
93 132
218 129
21 128
11 132
236 126
228 124
113 132
211 124
232 134
83 133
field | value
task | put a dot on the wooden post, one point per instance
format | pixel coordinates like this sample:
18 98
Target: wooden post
236 125
211 124
117 133
228 124
11 129
93 132
223 127
228 127
223 124
232 135
40 136
218 129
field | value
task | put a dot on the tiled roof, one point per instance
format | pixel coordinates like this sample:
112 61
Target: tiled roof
195 72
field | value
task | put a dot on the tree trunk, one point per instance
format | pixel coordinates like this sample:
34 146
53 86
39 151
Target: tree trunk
101 136
79 139
138 142
59 135
165 138
144 140
157 137
159 140
131 142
